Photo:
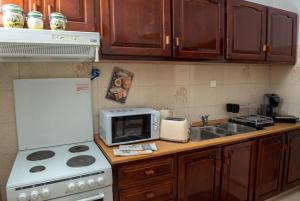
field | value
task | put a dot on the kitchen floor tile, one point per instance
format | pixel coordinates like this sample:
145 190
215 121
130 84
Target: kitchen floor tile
291 195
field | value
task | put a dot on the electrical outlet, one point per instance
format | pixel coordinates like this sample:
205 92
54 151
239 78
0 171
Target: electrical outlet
213 83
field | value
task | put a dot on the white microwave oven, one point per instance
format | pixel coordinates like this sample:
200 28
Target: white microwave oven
129 125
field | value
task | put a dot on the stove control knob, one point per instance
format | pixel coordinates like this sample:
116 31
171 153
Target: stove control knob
22 197
45 192
100 181
34 195
81 185
71 187
91 183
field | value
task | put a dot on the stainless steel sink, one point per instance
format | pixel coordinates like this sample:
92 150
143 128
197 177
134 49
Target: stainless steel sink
221 130
200 133
218 131
236 128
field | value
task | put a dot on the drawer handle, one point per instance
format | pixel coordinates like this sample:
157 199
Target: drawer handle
149 195
149 172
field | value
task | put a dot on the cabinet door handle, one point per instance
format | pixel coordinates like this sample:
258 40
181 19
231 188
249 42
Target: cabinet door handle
269 48
149 195
265 48
149 172
168 40
177 41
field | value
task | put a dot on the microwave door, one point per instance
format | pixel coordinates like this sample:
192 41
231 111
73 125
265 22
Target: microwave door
131 128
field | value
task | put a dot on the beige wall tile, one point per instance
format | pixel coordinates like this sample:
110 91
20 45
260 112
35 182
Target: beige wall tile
259 74
236 74
68 70
7 111
8 72
181 74
33 70
228 94
202 96
181 96
8 136
6 166
201 75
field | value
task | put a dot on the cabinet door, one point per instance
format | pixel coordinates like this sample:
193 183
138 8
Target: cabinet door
198 28
238 172
80 13
199 176
269 167
3 2
282 35
292 162
246 30
136 27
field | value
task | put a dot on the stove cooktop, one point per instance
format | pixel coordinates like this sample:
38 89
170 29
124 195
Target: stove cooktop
55 163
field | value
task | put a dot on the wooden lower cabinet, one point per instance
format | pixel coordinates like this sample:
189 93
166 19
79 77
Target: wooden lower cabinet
158 191
269 167
199 176
146 180
292 161
238 173
253 170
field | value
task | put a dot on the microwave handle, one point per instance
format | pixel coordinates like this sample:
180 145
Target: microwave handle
100 196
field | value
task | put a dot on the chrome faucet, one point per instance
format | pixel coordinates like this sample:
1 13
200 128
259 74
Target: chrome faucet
204 120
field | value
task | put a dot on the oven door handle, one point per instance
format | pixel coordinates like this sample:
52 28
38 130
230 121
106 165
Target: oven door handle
100 196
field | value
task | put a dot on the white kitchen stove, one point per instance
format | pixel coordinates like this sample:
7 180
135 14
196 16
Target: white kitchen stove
72 168
54 172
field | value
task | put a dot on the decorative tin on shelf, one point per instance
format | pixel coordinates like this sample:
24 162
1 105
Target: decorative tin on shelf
120 84
57 21
35 20
13 16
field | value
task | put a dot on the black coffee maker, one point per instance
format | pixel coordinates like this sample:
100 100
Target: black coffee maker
271 102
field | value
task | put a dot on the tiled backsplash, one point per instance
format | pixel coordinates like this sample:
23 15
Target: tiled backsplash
183 87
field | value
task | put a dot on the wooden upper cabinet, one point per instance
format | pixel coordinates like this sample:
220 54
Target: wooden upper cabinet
238 172
292 161
136 27
80 13
246 30
198 28
269 167
282 35
3 2
199 176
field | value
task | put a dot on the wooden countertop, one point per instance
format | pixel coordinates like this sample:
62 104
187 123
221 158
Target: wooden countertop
165 147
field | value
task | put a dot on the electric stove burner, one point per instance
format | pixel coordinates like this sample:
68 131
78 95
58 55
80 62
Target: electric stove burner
39 168
40 155
81 161
79 148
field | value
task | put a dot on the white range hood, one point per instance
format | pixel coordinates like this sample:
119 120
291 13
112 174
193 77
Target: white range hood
47 45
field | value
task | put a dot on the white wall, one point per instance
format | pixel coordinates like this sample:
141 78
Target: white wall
265 2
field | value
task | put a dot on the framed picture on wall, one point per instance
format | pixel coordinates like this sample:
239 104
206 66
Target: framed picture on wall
119 85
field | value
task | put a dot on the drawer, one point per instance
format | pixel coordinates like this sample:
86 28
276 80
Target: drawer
145 171
156 191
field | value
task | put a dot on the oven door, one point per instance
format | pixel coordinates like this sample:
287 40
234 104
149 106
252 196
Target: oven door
103 194
130 128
